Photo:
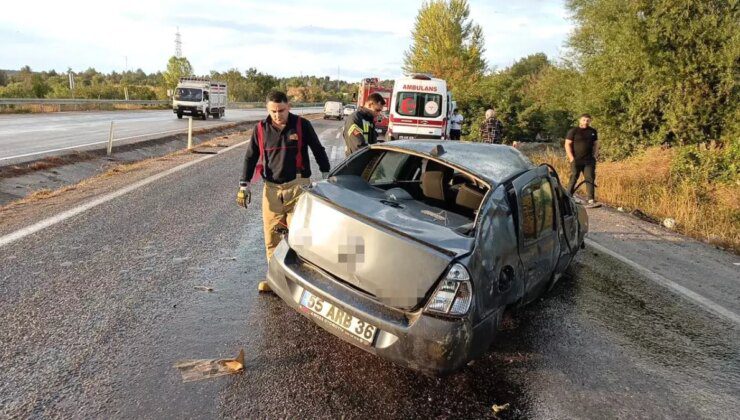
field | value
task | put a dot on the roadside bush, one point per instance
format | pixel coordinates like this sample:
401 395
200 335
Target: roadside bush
707 163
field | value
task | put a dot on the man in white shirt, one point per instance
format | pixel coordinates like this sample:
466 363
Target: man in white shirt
456 125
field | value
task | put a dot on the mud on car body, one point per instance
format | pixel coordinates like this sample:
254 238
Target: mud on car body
412 250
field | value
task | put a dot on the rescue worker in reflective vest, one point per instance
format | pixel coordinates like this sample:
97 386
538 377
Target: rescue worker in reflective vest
278 153
359 128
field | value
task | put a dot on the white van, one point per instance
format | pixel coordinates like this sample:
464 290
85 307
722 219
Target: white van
420 108
333 109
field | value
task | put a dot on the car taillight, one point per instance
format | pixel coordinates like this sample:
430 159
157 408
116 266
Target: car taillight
454 293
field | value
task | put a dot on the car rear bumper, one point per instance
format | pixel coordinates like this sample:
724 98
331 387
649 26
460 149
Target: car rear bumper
433 345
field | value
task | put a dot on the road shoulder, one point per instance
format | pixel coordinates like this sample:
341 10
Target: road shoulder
702 269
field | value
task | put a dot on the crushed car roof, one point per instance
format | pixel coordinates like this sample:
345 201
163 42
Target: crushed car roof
495 163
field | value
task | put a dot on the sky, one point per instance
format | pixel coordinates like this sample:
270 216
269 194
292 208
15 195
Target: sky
348 40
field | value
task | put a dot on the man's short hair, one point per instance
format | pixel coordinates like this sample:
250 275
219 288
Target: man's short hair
277 96
454 110
585 115
376 98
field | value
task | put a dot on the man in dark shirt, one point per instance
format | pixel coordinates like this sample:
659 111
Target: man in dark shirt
359 129
582 148
278 153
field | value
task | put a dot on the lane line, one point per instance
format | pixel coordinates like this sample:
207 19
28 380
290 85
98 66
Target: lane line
692 296
216 125
95 143
51 221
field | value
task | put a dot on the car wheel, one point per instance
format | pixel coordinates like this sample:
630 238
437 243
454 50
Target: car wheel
179 115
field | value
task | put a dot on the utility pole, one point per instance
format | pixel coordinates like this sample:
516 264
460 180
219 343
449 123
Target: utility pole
71 76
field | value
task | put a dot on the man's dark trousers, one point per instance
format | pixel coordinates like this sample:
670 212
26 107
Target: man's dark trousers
589 174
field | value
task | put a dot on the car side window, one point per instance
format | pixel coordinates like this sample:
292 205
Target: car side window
387 170
538 213
544 205
529 218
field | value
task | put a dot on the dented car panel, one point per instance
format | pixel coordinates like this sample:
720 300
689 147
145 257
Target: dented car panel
413 250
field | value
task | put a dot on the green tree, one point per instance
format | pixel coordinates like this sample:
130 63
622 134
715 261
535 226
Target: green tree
176 68
658 71
448 45
3 78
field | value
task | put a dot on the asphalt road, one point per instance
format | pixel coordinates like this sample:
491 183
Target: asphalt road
96 310
30 136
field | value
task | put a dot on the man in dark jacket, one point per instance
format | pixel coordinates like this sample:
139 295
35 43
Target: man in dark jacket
359 128
582 149
278 153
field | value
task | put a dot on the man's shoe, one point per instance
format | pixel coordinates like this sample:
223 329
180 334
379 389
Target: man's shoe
264 287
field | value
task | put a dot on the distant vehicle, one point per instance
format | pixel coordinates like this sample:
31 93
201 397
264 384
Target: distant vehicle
412 250
421 107
349 109
333 109
371 85
199 97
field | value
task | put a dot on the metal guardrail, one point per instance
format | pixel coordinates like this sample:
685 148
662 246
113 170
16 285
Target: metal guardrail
37 101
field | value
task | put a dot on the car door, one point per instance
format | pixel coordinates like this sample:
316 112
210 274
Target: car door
568 228
538 238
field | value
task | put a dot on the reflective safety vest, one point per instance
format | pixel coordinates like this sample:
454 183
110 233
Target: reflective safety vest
260 169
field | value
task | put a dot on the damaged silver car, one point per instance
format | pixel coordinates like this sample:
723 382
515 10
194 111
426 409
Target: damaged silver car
412 250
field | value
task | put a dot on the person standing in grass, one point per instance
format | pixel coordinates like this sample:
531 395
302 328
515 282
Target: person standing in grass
582 149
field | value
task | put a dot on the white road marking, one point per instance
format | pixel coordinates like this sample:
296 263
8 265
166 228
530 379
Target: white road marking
51 221
339 134
93 144
696 298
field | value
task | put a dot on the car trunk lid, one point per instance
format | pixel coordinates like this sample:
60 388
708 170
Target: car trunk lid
351 232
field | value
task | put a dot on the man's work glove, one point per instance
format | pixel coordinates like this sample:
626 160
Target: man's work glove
244 196
324 175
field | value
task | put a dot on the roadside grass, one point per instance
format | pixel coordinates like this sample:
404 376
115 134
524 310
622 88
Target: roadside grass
709 212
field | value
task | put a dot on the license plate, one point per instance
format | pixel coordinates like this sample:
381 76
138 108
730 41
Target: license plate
378 130
405 137
358 329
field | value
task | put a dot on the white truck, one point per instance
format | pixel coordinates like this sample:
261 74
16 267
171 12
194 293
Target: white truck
199 97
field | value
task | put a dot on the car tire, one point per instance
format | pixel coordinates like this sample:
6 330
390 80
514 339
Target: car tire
179 115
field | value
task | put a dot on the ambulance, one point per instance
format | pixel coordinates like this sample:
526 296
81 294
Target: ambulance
420 108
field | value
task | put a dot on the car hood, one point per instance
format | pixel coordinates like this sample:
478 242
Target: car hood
345 228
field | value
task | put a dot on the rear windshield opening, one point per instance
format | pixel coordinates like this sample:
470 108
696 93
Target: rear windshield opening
422 188
418 104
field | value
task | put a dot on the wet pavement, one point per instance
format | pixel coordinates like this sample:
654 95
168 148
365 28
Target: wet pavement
97 310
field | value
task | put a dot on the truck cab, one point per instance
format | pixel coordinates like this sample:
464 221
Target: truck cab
199 97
